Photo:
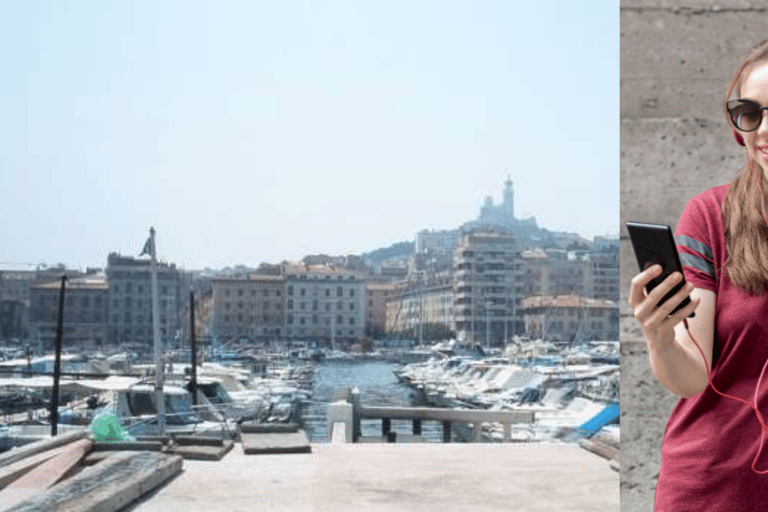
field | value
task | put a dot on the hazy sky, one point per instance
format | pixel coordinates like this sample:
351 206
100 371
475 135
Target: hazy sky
267 130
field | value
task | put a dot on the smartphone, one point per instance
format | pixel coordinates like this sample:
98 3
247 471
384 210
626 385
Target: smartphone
655 244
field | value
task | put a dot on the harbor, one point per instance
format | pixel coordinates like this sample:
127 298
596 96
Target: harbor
456 432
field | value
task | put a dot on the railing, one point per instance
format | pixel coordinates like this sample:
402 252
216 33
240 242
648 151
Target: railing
446 416
344 417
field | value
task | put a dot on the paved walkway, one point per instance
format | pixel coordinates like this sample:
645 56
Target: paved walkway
394 477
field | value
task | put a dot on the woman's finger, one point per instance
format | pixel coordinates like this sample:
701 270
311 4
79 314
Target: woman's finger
636 295
663 311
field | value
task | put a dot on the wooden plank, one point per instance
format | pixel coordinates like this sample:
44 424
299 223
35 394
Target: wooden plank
111 446
44 476
40 446
601 449
19 468
290 442
108 486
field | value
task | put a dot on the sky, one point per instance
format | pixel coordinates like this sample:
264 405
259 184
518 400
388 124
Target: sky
261 131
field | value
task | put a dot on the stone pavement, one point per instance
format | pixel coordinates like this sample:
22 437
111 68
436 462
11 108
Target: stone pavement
393 477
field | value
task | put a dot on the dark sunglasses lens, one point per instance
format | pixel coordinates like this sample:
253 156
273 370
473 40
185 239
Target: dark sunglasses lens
746 115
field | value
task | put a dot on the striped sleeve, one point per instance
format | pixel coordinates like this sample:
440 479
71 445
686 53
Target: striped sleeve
693 240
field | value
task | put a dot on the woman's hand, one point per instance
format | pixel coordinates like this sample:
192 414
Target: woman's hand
657 323
674 359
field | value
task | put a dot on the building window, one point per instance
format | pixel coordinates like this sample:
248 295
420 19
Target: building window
302 292
290 290
339 291
351 292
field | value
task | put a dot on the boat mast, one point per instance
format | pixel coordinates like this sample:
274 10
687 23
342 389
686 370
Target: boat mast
160 396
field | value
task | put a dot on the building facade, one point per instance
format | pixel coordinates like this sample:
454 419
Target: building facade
250 308
421 308
324 304
86 304
484 287
130 301
570 318
376 312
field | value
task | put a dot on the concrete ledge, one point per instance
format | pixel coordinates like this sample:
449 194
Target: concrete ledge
339 433
201 452
268 428
288 442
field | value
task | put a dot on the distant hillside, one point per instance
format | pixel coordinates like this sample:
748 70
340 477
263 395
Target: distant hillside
394 251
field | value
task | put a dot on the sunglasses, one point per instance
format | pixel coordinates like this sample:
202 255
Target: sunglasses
745 114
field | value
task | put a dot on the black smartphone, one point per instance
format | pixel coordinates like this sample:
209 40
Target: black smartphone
655 244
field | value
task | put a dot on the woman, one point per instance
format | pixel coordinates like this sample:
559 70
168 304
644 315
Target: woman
712 456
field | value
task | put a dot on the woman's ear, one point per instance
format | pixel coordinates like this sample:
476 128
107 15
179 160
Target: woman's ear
738 137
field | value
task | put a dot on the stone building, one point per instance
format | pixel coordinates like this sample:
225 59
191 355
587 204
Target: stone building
251 308
130 301
569 318
324 304
86 303
601 275
15 286
376 315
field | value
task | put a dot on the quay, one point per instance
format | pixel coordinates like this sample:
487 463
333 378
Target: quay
388 477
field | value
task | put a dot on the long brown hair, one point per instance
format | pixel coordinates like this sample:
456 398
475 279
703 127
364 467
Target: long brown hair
746 232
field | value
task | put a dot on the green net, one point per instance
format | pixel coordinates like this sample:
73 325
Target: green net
106 427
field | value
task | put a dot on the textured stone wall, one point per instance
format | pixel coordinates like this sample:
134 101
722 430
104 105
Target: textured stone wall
676 61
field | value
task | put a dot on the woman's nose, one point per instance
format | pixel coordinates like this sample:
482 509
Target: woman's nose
763 126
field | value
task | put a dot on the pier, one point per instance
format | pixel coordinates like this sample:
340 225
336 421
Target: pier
539 477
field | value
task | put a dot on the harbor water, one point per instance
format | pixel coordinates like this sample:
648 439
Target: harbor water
378 387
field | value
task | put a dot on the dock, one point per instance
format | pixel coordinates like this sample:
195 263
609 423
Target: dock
384 477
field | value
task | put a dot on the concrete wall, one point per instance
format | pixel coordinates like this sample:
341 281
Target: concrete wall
676 61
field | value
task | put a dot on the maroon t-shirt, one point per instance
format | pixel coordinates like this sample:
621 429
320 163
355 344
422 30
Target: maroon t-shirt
711 441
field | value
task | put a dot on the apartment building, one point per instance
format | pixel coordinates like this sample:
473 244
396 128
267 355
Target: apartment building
376 314
424 300
569 318
324 304
86 303
484 286
251 307
130 300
